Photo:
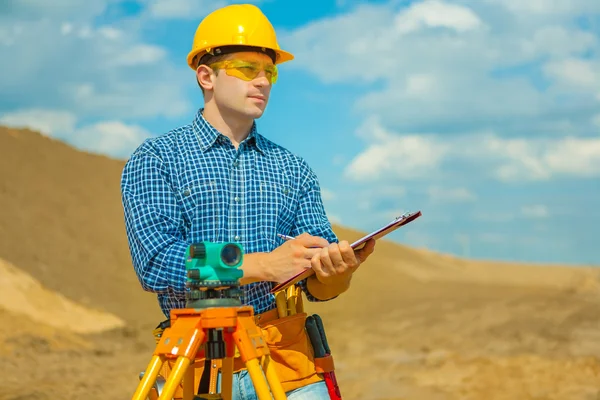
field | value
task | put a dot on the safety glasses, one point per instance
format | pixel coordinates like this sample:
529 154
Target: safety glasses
246 70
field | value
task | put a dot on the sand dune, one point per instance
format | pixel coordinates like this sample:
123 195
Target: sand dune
414 325
22 294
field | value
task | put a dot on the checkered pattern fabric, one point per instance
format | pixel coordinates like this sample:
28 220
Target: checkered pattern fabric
191 185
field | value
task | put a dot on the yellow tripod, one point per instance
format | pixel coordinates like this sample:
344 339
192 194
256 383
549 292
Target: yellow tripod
219 330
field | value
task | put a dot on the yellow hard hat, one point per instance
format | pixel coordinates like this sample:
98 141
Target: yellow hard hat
235 25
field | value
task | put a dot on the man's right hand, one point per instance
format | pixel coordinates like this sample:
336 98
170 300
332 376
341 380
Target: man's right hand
293 257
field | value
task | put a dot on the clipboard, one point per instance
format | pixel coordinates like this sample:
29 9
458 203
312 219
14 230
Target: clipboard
379 233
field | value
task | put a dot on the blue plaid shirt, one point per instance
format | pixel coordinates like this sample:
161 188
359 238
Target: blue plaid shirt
191 185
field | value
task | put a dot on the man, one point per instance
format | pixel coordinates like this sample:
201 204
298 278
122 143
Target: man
217 179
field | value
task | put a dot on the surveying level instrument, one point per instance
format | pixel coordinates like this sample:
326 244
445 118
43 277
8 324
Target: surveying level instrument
212 326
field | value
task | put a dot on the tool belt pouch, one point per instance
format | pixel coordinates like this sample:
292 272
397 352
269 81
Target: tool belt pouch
291 351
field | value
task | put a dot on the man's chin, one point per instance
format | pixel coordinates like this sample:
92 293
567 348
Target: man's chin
255 112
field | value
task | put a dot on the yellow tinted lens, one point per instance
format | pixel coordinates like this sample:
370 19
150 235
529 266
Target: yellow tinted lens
238 74
271 73
246 70
249 71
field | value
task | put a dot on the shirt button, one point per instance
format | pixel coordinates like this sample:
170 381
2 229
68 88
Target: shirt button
236 238
237 199
236 163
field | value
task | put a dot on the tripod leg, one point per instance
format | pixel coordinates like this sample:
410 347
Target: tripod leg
188 384
252 346
175 378
149 378
273 379
258 379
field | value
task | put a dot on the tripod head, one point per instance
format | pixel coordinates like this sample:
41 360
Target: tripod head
213 275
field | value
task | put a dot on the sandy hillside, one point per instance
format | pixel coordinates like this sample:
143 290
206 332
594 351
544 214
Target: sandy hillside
418 325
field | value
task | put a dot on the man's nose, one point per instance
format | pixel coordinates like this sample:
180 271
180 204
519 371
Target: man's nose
262 80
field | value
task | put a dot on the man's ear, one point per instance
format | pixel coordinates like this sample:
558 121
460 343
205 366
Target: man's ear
205 77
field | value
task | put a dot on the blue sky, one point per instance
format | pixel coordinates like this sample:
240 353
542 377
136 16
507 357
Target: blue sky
483 114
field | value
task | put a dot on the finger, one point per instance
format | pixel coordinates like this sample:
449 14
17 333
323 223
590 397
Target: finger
310 253
315 263
326 261
370 246
347 253
336 257
312 241
365 251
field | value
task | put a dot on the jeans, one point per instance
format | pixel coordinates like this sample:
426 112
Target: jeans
243 389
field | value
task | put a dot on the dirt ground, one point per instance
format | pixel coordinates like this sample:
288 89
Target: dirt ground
415 325
449 341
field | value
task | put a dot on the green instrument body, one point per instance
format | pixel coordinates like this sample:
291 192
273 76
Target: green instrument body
209 264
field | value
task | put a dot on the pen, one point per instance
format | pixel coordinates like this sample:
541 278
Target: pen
285 237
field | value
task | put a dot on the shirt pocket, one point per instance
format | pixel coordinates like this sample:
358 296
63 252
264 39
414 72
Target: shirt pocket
203 207
278 202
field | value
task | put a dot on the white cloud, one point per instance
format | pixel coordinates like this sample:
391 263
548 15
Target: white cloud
378 203
528 9
574 71
338 159
433 14
404 156
185 9
492 238
138 55
469 63
315 42
389 191
442 194
535 211
334 219
557 41
494 217
420 85
420 239
408 157
44 121
64 60
182 9
36 9
327 194
113 138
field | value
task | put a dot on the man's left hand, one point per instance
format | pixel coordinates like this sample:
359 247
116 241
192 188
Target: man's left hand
335 264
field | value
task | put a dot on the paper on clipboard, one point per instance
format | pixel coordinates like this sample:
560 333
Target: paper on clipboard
379 233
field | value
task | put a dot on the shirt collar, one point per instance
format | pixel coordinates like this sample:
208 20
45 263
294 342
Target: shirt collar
207 135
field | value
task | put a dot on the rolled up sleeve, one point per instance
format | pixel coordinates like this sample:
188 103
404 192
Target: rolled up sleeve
154 224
